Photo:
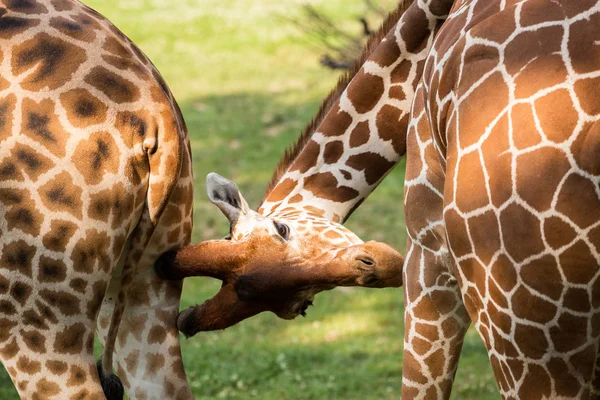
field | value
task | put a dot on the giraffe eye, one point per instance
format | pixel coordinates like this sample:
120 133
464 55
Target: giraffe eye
282 229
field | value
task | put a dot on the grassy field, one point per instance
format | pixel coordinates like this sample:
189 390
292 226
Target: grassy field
247 82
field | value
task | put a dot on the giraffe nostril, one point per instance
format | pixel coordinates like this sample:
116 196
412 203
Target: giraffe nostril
366 260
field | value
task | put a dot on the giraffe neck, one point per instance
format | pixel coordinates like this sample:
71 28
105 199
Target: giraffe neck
363 136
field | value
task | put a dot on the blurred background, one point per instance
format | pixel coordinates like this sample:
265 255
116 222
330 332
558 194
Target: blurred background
248 75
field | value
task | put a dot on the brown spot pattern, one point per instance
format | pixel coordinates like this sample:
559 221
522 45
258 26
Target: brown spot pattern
364 91
11 25
373 165
60 194
78 27
17 256
34 341
392 126
306 159
96 157
59 235
335 123
7 107
40 123
546 162
51 270
83 108
30 161
48 55
116 88
325 185
333 152
66 303
71 339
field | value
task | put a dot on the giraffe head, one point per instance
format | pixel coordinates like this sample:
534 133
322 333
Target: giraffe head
276 262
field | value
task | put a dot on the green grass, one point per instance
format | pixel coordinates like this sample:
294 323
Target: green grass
247 82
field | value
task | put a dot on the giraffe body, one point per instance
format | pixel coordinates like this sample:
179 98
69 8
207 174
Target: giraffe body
501 193
502 200
95 183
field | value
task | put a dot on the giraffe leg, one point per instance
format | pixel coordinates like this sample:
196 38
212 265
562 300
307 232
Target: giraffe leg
52 376
147 353
50 294
535 307
435 325
435 317
46 339
536 350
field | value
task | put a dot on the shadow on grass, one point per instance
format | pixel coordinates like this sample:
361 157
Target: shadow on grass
349 347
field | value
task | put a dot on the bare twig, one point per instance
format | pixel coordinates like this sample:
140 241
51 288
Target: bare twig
339 46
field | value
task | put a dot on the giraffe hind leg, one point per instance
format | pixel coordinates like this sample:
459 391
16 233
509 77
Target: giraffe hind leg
47 326
435 325
147 339
64 371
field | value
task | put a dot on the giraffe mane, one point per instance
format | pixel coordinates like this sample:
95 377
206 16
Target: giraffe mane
293 151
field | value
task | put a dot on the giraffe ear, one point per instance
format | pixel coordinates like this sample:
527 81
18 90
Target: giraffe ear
225 194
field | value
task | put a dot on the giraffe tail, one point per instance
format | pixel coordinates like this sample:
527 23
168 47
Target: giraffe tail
139 239
111 384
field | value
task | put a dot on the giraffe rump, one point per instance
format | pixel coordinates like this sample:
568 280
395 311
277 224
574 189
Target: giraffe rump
86 124
294 150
